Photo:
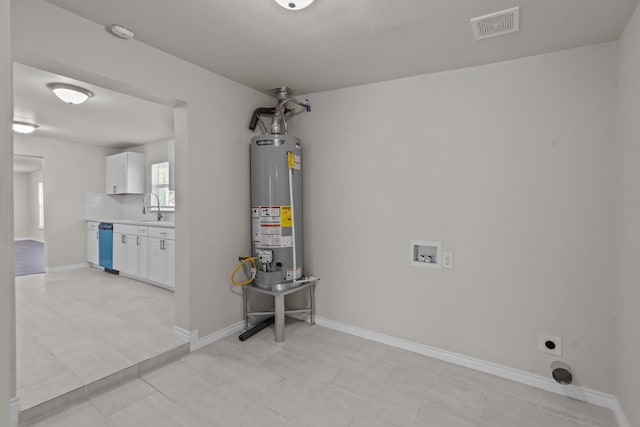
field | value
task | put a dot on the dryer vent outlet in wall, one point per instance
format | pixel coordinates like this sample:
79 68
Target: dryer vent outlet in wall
496 24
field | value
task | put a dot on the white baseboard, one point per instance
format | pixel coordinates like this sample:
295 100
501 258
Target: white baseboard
147 281
587 395
186 336
195 342
14 411
66 267
218 335
21 239
621 418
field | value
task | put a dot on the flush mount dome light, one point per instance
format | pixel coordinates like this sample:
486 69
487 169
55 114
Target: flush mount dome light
69 93
294 4
24 127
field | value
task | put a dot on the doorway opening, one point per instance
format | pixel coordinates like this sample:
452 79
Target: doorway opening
29 207
76 325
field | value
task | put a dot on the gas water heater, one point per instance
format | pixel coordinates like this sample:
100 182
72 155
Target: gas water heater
276 209
276 198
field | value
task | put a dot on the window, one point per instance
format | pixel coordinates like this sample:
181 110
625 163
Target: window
40 205
160 185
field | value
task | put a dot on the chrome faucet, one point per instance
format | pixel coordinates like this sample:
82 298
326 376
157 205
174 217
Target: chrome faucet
144 204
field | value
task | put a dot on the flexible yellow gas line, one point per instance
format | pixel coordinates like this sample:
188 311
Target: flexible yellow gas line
235 271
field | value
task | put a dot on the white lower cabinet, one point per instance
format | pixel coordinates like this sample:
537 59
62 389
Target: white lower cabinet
162 252
119 251
130 249
93 243
146 253
143 256
170 251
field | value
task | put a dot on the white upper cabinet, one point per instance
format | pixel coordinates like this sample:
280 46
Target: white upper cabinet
125 173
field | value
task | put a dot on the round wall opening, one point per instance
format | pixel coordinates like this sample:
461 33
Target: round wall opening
561 372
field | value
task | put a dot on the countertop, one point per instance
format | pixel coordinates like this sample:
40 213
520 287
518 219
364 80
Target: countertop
149 223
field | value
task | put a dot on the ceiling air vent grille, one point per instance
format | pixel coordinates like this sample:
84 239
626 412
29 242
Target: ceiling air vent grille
496 24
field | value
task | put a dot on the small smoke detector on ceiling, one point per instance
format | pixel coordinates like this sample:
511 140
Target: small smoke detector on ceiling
121 32
496 24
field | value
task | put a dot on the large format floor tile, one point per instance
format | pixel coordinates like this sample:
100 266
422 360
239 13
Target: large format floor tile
76 327
320 377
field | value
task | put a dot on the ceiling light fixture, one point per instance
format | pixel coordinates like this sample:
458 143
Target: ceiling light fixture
294 4
24 127
121 32
69 93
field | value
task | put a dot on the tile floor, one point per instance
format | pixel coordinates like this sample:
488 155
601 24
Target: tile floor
75 327
320 377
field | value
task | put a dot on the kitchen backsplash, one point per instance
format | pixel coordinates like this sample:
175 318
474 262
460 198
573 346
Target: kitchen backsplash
99 206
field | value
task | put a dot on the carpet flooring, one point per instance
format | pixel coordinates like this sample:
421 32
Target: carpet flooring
29 257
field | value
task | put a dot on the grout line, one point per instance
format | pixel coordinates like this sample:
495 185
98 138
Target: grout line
417 417
589 396
59 410
85 388
156 389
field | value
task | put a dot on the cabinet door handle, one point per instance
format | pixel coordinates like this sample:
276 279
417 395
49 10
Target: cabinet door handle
114 188
162 244
98 235
123 239
138 241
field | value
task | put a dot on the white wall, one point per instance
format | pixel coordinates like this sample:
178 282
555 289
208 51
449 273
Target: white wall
21 205
512 167
211 145
155 152
70 171
35 178
7 288
25 206
628 315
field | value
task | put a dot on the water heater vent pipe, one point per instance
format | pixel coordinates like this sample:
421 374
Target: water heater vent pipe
279 112
278 122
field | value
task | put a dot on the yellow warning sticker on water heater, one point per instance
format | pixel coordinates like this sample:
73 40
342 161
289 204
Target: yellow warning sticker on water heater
291 160
285 216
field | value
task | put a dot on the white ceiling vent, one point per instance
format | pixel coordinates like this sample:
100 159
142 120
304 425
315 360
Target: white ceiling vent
496 24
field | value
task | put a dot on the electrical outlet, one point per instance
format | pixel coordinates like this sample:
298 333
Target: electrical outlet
447 260
550 344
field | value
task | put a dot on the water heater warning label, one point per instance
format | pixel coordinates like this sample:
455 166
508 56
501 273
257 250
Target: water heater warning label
287 219
290 273
267 223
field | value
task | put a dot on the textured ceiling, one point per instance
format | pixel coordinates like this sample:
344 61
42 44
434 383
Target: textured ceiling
331 44
336 43
108 118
